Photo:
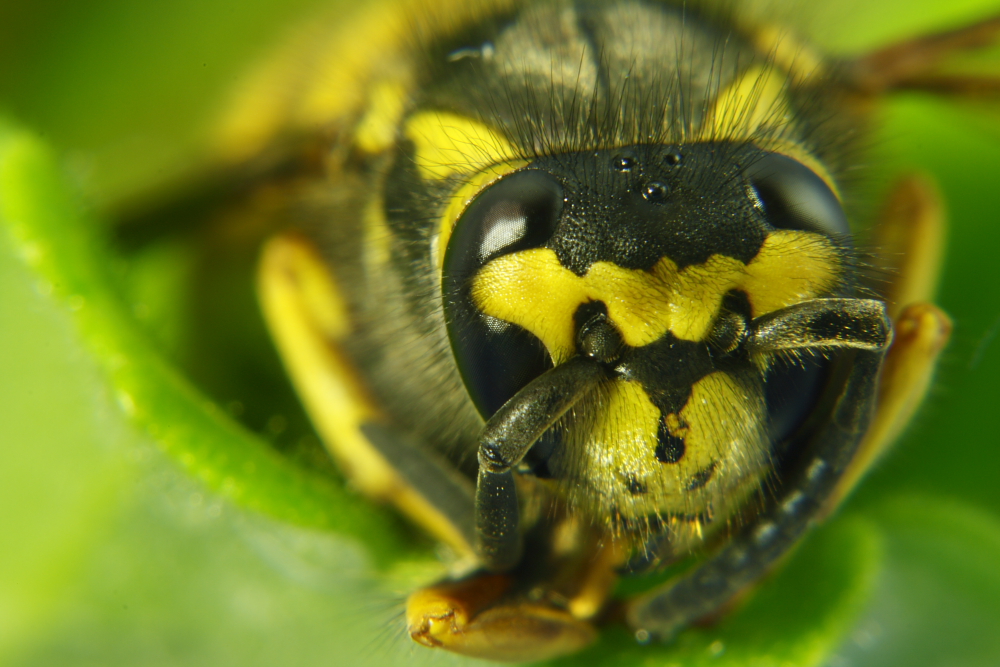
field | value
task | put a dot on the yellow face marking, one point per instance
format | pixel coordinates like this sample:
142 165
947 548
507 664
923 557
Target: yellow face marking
449 144
722 424
533 290
790 268
464 196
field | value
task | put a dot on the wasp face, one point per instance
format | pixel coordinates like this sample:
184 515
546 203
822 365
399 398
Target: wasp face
654 260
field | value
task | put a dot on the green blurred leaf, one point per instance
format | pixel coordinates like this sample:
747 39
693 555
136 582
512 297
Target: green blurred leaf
937 599
54 236
798 617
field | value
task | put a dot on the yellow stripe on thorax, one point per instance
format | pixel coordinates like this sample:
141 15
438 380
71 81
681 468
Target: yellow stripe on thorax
533 290
449 144
755 107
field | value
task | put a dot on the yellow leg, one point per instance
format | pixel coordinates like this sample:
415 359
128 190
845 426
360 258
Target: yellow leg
307 317
910 240
500 617
475 618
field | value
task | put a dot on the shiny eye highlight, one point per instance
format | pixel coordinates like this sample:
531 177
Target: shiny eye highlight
495 358
794 197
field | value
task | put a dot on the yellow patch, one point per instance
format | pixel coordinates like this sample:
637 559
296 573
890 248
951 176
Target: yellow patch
755 107
376 132
533 290
755 100
449 144
790 268
794 56
722 424
306 315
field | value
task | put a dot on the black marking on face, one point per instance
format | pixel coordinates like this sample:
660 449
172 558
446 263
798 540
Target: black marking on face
635 487
702 477
669 448
667 369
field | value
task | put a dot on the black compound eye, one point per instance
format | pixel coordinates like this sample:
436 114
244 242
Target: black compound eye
495 358
519 211
794 197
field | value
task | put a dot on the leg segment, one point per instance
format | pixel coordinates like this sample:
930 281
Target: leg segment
854 324
307 318
912 64
508 436
757 547
910 239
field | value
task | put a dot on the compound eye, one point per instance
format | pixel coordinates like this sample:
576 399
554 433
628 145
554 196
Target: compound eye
794 197
496 358
517 212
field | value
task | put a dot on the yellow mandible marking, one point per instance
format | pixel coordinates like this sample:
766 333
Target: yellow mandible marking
449 144
533 290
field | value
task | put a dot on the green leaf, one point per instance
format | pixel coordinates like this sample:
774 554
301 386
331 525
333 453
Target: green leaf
798 617
937 600
55 236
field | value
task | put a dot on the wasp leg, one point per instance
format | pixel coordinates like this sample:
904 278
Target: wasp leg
541 610
805 487
473 618
913 64
910 237
307 318
508 436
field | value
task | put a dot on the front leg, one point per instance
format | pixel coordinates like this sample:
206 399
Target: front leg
508 436
810 482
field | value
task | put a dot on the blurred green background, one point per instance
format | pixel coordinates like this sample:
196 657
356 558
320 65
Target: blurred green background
113 552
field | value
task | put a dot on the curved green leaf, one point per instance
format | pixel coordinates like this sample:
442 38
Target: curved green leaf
55 236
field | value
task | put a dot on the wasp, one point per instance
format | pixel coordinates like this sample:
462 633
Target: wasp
581 289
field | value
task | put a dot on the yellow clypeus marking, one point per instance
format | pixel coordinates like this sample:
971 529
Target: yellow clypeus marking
534 291
722 425
449 144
